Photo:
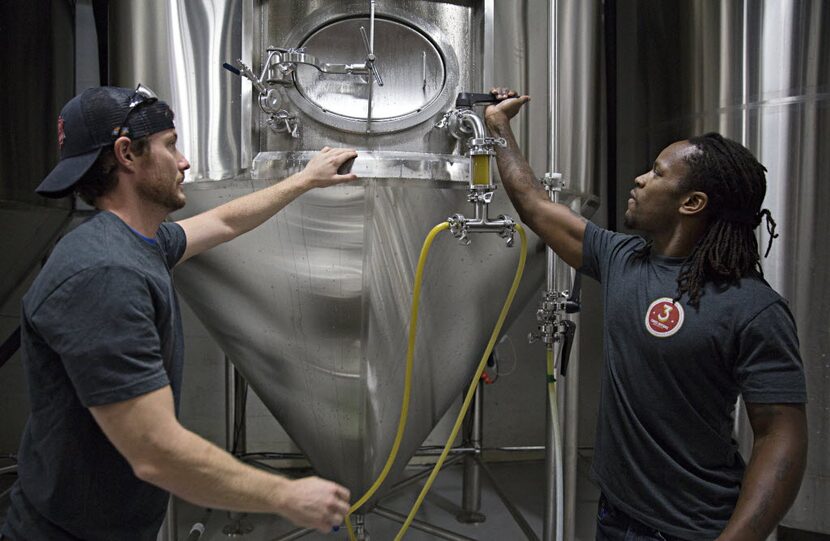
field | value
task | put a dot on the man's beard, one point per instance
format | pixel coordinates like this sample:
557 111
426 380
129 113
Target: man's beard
163 194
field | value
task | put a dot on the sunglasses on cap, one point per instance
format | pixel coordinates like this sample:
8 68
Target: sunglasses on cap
143 95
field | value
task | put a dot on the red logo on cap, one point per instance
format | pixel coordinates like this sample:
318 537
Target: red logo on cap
61 133
664 317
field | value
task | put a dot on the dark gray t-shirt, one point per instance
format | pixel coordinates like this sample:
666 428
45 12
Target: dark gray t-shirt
664 451
100 325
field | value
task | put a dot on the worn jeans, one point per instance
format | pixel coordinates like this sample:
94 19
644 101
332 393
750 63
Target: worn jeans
614 525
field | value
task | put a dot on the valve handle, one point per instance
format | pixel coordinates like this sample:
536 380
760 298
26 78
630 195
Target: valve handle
567 342
231 69
469 99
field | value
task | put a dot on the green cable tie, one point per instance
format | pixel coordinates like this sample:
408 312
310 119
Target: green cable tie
551 378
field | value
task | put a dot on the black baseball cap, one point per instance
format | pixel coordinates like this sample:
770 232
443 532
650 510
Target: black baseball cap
93 121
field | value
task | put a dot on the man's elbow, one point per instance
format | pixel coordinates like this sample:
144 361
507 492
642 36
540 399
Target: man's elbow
158 458
149 471
533 213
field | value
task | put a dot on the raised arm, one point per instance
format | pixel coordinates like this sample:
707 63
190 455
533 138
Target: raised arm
774 473
556 224
162 452
228 221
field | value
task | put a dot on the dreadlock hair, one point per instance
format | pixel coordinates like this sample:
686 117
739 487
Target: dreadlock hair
735 183
101 178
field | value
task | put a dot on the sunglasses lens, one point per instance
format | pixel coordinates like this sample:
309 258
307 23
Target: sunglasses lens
142 94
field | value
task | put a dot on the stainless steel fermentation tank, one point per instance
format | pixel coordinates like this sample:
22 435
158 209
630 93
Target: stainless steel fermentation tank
313 307
758 72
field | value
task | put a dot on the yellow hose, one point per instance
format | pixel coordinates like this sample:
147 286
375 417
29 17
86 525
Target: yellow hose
551 375
473 385
407 386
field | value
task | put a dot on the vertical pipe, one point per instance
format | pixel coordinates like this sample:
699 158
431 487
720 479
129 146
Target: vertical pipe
240 420
549 520
524 140
471 490
488 62
745 75
246 99
610 20
553 94
372 27
170 531
569 454
229 404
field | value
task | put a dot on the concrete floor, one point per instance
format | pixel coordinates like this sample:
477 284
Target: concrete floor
522 483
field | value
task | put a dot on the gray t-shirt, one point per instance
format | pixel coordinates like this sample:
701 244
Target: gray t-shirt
100 325
664 451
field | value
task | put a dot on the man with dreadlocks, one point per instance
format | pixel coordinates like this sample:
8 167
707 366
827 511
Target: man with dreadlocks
689 325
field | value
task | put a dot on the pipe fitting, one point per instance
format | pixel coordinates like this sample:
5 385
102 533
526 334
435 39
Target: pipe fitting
461 227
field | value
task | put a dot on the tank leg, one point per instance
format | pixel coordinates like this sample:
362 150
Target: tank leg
471 491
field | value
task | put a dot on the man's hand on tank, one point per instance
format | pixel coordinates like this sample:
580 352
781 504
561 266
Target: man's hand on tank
322 169
499 115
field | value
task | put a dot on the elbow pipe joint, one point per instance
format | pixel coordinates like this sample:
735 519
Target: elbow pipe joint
472 123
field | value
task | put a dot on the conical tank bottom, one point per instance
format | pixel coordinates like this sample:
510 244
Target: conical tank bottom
313 308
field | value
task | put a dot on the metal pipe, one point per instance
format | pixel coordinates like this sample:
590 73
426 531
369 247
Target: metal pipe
171 532
549 524
516 448
570 425
553 91
294 534
371 27
229 402
549 518
421 525
472 121
240 395
418 476
471 482
488 62
525 133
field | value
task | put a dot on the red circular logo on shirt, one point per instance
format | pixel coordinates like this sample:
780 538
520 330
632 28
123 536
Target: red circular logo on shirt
664 317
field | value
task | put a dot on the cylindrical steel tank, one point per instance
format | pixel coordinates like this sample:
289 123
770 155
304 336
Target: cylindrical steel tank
758 72
313 307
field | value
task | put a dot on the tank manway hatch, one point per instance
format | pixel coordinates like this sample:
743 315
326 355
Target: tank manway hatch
411 65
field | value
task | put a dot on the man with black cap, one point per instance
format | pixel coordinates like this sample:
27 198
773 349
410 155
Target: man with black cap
102 340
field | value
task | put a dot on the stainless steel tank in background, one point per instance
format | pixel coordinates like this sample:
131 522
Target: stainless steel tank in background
313 307
758 72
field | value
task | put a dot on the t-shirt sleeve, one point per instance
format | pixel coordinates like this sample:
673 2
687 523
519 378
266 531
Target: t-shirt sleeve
600 247
769 368
172 241
101 324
